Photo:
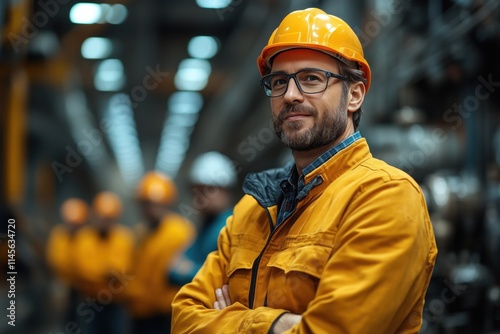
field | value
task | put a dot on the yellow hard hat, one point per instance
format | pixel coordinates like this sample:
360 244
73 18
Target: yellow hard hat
107 204
314 29
74 211
157 188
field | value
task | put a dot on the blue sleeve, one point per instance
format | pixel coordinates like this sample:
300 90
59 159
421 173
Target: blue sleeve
180 278
205 243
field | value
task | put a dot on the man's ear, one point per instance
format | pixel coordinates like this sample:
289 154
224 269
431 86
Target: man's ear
357 93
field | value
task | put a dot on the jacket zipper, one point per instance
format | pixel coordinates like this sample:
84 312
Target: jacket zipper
255 266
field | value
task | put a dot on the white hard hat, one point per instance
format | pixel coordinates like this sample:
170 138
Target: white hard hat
213 169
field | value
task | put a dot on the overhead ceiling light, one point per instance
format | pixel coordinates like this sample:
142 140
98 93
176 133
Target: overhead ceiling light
116 14
192 74
203 47
182 121
183 109
123 138
174 160
81 123
85 13
96 48
110 75
185 103
91 13
175 146
213 4
172 151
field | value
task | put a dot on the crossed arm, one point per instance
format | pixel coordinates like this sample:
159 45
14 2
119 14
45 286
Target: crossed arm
282 324
401 256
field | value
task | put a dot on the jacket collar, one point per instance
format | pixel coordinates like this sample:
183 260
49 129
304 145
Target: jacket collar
341 162
265 186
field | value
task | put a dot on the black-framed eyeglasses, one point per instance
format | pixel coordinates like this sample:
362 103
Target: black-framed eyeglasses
308 80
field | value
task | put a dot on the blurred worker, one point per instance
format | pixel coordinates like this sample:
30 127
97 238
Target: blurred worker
61 250
336 242
162 236
212 176
105 250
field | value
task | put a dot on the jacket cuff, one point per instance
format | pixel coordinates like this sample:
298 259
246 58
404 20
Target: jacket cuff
261 320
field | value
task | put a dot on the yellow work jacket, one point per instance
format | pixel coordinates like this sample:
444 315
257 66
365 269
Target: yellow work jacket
149 292
356 255
100 261
60 252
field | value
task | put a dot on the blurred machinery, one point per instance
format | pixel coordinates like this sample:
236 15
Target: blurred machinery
464 201
446 104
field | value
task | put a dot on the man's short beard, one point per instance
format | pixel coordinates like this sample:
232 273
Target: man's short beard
324 131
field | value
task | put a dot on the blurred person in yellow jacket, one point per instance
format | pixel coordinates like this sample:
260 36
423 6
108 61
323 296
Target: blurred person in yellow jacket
105 250
61 251
336 241
161 237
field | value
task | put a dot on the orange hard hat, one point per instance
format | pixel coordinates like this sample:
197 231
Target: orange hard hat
314 29
157 188
107 204
74 211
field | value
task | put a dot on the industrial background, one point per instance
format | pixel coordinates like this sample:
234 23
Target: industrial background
93 95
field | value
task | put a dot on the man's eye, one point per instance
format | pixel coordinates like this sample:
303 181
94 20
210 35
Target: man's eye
311 77
278 82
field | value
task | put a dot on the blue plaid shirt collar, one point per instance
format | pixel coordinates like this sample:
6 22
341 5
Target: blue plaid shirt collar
331 152
293 176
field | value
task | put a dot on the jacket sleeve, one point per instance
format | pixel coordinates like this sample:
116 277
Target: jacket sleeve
377 276
193 310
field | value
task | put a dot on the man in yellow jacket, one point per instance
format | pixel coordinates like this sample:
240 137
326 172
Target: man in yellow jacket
338 242
104 257
161 239
61 251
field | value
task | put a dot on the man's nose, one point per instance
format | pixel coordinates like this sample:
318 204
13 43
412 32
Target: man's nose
293 93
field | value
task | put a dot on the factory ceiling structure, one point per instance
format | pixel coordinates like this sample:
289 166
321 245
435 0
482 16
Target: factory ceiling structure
131 86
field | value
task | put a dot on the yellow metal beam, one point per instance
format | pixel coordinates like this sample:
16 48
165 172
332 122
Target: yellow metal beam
18 15
15 135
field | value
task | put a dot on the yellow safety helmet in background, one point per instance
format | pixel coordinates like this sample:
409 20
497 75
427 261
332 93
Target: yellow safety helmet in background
74 211
314 29
158 188
107 204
